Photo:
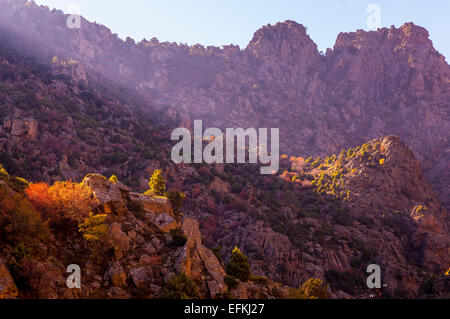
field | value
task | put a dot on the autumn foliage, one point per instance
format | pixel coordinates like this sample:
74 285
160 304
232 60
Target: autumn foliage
19 220
62 199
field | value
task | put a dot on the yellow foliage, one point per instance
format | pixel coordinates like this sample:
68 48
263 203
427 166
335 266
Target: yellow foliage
313 288
94 227
62 199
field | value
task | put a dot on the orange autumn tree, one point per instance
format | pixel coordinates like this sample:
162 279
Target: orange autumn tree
39 196
62 200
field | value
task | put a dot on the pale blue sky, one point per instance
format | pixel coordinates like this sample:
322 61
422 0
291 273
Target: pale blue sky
220 22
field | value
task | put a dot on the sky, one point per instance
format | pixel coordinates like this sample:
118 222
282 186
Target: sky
222 22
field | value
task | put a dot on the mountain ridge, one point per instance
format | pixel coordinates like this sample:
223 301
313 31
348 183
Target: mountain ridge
341 99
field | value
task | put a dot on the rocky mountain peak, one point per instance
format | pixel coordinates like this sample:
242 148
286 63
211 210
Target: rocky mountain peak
277 39
285 51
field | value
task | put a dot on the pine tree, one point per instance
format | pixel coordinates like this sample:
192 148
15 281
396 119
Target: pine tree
157 184
239 266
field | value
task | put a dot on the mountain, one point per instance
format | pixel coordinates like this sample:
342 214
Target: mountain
371 84
77 101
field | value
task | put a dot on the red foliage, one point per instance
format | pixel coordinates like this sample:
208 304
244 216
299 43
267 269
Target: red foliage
61 200
39 196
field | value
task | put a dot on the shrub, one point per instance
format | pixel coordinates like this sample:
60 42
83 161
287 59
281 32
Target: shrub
180 287
18 184
4 174
39 196
239 266
19 220
113 179
62 199
176 199
94 228
312 289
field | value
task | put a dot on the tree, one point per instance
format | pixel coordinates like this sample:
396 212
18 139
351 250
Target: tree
312 289
19 220
239 267
39 196
157 184
62 199
176 199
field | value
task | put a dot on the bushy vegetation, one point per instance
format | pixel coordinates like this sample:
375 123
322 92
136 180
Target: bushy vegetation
19 220
348 282
239 267
62 199
157 184
313 288
231 282
94 228
176 199
180 287
113 179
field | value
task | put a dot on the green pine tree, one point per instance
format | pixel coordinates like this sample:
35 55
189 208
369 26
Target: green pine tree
239 267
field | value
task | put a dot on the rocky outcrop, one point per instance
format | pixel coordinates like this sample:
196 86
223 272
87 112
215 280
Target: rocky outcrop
158 211
117 274
398 185
107 193
199 262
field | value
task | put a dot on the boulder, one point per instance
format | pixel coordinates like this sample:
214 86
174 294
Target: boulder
158 211
120 240
140 277
117 275
109 194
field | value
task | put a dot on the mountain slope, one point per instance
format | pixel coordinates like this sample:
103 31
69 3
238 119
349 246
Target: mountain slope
372 84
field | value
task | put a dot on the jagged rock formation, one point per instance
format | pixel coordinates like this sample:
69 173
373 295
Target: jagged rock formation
142 261
197 261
